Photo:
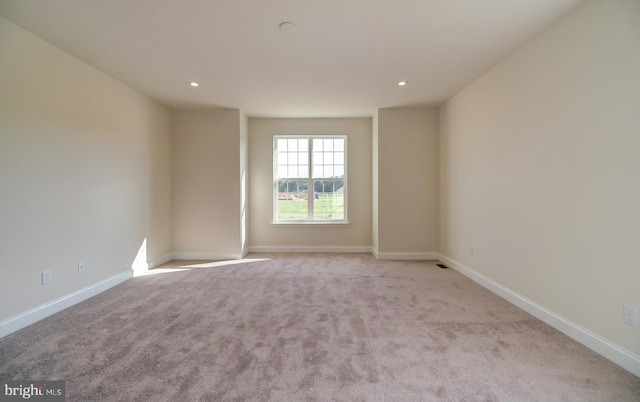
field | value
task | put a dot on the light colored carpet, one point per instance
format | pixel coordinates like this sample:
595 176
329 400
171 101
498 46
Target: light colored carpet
308 327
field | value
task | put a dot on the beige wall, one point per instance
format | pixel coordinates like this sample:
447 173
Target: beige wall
407 182
83 171
206 183
262 232
540 170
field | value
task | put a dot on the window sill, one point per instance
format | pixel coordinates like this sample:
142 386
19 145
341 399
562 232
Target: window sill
307 223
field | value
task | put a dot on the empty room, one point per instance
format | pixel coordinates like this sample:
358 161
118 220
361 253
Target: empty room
418 200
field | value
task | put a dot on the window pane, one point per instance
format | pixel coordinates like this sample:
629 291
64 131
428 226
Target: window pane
282 145
303 145
317 171
282 171
328 200
338 158
293 145
303 158
292 187
303 171
317 158
328 144
338 144
293 158
282 158
328 171
328 158
292 171
338 171
292 200
317 144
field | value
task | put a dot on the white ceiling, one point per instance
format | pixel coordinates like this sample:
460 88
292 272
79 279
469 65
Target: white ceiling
343 60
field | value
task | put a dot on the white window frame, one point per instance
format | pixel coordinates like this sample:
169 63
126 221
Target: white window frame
310 183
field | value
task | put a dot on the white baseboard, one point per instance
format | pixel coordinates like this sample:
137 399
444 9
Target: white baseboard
159 261
13 324
375 252
625 359
207 256
406 256
310 249
245 252
345 249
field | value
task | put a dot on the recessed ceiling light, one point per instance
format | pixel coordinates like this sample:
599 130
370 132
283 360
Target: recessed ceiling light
287 27
194 84
402 83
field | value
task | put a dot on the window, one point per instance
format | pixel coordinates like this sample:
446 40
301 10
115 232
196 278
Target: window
310 179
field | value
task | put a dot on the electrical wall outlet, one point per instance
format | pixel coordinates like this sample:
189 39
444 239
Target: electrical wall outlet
630 315
80 266
46 277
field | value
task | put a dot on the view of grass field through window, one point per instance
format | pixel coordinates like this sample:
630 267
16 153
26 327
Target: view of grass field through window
309 179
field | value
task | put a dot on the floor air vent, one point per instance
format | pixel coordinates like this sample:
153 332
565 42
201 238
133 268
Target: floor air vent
442 266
